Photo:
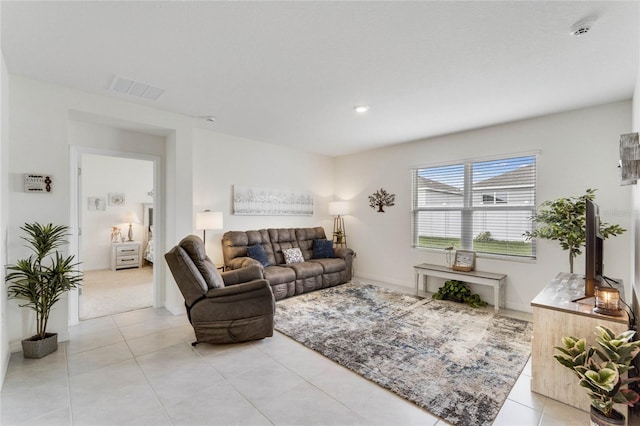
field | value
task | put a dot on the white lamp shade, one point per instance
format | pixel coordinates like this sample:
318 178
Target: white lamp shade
132 217
208 220
337 208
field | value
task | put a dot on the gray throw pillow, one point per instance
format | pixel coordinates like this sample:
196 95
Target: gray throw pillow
292 255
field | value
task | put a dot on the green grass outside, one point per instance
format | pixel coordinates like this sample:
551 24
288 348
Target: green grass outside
512 248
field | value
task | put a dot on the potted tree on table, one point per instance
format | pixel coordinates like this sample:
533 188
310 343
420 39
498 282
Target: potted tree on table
601 371
40 280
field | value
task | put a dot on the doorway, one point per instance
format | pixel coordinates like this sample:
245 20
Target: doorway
116 244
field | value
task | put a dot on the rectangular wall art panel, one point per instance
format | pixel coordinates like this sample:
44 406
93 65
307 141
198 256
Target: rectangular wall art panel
250 200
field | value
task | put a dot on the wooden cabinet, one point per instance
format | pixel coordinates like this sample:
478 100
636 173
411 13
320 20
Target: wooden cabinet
555 314
125 255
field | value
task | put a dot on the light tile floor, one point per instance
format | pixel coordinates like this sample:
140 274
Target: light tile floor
138 368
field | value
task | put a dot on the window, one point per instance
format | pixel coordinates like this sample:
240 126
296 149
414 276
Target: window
483 206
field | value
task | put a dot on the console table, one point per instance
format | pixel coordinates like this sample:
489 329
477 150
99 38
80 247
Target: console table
497 281
555 315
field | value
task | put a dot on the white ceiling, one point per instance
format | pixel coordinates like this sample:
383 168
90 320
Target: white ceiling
290 73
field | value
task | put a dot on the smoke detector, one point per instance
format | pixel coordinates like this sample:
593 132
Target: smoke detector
581 28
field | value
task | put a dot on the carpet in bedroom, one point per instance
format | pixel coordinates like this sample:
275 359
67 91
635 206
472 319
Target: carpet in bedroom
107 292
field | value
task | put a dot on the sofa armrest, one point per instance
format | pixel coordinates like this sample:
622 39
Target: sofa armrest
242 262
242 275
237 291
344 253
236 302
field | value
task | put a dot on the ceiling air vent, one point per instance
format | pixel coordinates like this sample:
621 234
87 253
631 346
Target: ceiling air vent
135 88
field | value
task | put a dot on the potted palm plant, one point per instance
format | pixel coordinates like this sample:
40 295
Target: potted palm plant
40 280
601 371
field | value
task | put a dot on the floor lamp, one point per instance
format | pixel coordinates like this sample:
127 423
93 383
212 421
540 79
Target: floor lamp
208 220
339 208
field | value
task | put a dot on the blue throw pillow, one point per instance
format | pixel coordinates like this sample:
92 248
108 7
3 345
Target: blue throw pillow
257 252
323 249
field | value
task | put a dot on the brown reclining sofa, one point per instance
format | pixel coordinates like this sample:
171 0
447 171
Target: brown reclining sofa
287 280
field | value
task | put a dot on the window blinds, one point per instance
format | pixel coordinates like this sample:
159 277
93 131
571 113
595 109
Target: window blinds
483 206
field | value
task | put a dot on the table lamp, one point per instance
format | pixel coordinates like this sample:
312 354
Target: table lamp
607 301
131 218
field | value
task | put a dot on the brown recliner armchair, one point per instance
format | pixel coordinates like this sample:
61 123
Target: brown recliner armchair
234 306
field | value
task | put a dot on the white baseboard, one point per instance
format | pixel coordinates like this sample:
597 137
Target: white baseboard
410 287
16 345
379 279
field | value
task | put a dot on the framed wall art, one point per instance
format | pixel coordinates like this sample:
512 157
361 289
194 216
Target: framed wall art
255 201
37 182
116 199
96 204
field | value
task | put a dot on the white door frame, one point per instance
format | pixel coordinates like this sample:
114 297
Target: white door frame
76 217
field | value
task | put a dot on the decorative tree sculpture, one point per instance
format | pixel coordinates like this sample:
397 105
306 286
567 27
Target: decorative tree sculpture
380 199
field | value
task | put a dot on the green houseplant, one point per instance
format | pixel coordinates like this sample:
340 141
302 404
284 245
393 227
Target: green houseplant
601 371
458 291
563 220
40 280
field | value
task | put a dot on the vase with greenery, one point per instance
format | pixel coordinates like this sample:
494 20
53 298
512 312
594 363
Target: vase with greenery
602 370
563 220
43 277
458 291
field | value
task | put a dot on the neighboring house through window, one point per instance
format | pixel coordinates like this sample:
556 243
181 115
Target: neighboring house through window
477 205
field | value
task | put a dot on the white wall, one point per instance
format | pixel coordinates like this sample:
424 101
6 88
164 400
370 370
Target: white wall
635 251
102 175
43 129
48 120
4 215
221 161
578 150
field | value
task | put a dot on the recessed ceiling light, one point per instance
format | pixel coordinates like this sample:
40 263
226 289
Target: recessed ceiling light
361 109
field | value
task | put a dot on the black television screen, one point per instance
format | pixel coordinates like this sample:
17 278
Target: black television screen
593 249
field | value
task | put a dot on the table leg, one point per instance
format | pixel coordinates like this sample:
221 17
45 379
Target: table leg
496 297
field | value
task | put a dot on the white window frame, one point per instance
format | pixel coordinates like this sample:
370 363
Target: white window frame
468 209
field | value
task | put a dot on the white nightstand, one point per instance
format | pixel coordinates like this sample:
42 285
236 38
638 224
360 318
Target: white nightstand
125 255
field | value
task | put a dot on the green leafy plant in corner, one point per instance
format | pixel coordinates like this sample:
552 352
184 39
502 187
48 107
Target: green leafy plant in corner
43 277
601 370
563 220
458 291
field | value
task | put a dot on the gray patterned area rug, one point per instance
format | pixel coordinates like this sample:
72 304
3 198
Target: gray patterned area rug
457 362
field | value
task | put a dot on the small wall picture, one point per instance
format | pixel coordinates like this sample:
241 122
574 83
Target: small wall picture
116 199
96 204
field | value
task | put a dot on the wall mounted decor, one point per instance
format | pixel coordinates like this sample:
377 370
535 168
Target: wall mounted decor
629 158
96 204
34 182
251 200
116 199
381 198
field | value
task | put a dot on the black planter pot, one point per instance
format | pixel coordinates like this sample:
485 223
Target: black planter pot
34 347
599 419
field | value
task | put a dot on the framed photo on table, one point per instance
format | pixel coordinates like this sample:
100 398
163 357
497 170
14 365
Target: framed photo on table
464 261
